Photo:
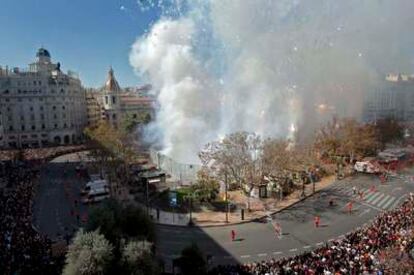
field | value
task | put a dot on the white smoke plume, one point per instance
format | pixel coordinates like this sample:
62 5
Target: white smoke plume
221 66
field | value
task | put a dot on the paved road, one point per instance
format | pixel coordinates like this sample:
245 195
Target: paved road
55 211
258 241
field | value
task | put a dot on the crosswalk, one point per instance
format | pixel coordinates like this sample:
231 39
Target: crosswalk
371 197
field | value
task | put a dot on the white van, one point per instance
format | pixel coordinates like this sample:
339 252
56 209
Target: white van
93 185
96 194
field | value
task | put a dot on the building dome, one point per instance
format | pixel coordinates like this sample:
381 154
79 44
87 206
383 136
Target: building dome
42 52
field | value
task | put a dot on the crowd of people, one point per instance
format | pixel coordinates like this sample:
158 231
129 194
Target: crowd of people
360 252
39 154
22 249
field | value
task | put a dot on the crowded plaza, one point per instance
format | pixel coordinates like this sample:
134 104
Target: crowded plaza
360 252
22 249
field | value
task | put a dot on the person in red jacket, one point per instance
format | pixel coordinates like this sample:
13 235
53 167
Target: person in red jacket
233 235
317 221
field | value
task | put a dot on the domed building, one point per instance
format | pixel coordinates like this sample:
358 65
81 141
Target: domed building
41 106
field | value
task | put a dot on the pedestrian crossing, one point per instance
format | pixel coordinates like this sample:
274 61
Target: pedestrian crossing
369 196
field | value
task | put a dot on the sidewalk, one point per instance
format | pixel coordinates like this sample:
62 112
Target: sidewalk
210 219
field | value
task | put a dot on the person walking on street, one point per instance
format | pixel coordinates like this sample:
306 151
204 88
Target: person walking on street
317 221
233 235
349 207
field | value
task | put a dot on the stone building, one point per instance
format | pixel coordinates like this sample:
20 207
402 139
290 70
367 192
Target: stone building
393 99
118 103
41 105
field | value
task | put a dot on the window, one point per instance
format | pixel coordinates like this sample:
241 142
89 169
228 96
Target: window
63 107
41 108
134 116
33 127
113 100
43 126
7 100
42 116
113 116
31 107
21 117
10 118
106 99
6 92
56 126
65 126
54 107
63 115
23 128
34 136
32 117
55 116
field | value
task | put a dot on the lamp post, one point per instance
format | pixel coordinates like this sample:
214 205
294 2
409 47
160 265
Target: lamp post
227 201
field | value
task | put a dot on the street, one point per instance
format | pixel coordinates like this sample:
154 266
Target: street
57 202
258 241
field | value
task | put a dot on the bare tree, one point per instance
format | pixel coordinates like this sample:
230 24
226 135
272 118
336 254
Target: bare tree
238 155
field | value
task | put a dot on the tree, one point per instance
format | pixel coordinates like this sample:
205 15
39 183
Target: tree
346 137
389 130
237 156
138 260
192 261
207 187
130 123
90 253
117 222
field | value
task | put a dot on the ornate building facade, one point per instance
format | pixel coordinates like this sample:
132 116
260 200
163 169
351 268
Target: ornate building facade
118 103
41 105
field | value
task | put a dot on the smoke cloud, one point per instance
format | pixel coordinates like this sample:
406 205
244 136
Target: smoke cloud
266 66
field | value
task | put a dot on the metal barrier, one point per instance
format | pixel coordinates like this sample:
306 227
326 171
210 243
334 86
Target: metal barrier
185 174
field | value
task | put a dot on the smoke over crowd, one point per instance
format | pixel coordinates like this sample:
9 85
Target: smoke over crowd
266 66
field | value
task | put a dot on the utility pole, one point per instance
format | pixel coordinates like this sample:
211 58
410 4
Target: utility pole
227 201
147 196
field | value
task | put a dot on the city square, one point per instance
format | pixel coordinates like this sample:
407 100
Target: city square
206 137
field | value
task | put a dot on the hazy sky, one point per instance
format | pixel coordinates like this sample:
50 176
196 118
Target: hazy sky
86 36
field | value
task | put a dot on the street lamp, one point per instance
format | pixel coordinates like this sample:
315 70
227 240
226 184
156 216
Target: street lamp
227 201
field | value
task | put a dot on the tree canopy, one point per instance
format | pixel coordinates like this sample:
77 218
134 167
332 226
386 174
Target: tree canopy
89 254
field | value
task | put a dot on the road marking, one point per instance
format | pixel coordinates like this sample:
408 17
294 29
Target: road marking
377 199
319 244
372 197
245 256
398 201
371 206
307 246
277 252
366 211
293 249
389 203
396 189
383 201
